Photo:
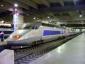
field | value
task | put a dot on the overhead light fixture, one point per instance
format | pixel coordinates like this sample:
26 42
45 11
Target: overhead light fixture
34 18
80 15
16 5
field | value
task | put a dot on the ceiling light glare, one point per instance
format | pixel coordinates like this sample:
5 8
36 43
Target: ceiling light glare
2 5
34 18
48 17
80 15
2 21
15 5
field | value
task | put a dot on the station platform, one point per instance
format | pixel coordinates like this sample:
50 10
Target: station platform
72 52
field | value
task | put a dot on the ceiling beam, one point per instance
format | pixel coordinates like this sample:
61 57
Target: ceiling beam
5 6
29 3
57 1
45 2
22 5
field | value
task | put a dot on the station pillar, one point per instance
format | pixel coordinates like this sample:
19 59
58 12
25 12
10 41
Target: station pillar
18 20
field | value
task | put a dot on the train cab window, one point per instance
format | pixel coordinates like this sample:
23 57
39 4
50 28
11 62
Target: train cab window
31 27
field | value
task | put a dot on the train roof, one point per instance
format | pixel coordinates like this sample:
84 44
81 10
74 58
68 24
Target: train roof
38 24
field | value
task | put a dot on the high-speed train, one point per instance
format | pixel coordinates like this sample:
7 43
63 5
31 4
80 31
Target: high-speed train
40 32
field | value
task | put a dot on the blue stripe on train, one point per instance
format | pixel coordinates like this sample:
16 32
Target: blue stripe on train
50 32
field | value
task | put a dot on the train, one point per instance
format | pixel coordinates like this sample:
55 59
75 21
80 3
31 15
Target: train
38 33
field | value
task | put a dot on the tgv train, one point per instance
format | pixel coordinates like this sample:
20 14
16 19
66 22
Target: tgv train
39 32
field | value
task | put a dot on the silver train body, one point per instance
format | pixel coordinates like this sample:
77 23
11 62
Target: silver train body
42 33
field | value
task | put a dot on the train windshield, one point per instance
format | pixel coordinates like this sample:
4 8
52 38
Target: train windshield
31 27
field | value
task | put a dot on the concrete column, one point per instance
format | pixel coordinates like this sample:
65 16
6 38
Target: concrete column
18 20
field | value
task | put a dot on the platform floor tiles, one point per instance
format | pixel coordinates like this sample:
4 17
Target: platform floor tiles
72 52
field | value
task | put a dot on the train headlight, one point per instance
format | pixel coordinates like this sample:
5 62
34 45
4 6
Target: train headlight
16 37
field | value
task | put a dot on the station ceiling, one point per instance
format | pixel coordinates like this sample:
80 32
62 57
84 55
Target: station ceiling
65 11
